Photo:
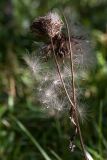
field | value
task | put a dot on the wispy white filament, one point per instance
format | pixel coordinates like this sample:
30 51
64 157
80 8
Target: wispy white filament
33 63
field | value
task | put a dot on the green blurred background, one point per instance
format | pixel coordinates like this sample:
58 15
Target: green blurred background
28 131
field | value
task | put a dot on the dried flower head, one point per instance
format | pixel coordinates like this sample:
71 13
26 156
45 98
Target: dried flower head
60 90
50 25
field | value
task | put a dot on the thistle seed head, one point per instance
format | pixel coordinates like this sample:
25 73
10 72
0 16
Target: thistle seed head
50 25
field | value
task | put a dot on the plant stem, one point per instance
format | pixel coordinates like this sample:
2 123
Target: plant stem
59 72
74 95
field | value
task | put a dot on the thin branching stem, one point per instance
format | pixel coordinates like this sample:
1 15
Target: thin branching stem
59 72
74 95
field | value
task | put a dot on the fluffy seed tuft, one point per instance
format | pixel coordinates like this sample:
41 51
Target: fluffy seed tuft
33 63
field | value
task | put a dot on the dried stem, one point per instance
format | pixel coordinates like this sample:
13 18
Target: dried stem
59 72
74 95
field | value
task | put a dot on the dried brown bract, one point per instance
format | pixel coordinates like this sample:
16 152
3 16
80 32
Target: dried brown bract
61 46
50 25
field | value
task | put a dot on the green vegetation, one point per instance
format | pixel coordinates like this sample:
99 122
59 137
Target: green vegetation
27 130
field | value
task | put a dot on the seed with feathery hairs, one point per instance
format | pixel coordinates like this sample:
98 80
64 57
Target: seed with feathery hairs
50 25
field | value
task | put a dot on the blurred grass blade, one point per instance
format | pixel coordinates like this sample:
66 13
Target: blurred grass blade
100 128
2 110
103 139
94 153
33 140
89 156
55 155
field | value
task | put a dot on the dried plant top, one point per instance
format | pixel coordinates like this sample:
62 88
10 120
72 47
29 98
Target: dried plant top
50 25
60 90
